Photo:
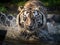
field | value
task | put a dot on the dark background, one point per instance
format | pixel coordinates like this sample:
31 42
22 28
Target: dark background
11 5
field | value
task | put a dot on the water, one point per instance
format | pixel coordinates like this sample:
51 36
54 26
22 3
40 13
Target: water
8 22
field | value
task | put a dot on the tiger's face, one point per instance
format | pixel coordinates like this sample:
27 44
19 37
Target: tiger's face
31 18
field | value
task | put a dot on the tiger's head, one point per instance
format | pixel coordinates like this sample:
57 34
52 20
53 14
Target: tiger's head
32 16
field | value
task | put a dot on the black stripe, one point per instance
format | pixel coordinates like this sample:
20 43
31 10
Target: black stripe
19 20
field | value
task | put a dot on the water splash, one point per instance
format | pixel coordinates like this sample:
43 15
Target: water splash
8 20
45 35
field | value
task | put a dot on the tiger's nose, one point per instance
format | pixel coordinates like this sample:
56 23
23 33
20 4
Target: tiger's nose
30 27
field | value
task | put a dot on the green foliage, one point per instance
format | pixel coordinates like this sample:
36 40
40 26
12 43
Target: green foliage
3 9
51 3
48 3
20 3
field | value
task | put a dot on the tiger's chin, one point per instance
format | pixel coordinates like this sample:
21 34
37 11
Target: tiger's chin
28 35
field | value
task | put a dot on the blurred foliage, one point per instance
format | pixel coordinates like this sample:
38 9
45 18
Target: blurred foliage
20 3
51 3
47 3
2 8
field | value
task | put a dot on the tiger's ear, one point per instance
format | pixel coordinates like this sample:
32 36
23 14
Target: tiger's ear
20 8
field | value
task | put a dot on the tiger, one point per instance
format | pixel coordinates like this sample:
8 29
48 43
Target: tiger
32 17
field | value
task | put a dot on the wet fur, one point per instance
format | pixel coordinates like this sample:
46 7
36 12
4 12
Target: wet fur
30 5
